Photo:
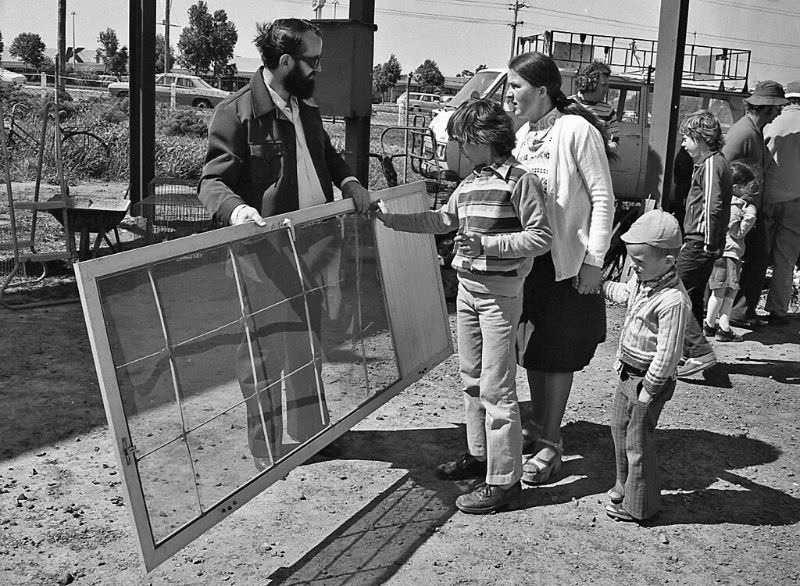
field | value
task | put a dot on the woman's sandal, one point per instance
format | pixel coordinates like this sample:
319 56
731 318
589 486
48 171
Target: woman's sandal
537 470
615 496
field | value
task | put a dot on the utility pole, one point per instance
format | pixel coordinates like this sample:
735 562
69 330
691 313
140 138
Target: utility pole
167 9
515 8
73 41
62 41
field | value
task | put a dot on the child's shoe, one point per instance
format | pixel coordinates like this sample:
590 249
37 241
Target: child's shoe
728 336
709 331
618 513
464 467
488 498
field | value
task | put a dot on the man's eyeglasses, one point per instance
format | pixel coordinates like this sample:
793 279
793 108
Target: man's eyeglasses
312 62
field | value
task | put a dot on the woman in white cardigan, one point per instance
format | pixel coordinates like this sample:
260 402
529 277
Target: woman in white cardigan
563 316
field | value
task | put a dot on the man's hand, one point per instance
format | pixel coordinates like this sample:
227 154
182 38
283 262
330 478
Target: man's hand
589 280
645 397
244 214
359 195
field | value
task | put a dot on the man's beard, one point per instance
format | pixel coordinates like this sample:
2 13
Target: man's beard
298 84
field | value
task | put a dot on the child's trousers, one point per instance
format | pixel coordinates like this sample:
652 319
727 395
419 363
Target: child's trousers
487 326
633 426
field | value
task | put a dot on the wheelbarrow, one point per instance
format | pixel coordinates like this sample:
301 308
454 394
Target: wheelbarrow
86 216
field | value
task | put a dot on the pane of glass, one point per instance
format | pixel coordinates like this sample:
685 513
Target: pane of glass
148 397
221 457
169 488
131 316
206 372
630 112
197 293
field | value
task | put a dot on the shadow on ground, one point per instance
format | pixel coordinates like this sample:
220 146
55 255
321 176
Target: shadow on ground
376 542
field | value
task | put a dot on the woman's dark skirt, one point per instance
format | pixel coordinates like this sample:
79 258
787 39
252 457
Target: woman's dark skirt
559 329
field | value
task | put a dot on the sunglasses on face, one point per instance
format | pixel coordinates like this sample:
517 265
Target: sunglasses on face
312 62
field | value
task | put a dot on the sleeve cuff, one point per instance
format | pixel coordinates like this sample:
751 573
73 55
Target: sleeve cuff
349 179
595 260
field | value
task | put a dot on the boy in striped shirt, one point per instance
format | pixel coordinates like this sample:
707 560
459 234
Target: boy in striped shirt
650 345
499 212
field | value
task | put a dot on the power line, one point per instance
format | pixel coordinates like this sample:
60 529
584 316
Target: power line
759 9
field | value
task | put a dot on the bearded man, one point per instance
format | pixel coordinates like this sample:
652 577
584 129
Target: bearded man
269 154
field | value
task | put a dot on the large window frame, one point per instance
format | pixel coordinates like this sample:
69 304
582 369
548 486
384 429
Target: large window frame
417 318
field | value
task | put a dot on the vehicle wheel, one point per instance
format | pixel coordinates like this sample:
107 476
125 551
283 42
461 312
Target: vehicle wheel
201 104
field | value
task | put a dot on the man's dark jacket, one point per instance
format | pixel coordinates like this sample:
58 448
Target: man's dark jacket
252 154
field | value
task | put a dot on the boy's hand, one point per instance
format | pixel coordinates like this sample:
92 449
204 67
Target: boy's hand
377 209
469 244
644 396
589 280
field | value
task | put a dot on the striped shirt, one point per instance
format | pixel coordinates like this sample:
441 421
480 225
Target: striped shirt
505 205
604 111
708 204
651 338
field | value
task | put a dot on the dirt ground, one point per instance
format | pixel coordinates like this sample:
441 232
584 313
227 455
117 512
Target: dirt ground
729 458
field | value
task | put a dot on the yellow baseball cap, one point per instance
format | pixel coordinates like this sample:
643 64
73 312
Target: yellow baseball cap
656 228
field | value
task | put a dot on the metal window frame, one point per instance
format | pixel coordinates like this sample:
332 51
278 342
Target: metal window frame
417 318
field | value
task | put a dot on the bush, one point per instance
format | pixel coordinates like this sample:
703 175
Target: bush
181 121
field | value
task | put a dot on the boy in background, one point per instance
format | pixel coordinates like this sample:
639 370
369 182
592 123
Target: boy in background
499 212
650 346
705 225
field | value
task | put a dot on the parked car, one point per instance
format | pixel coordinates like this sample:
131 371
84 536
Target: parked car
420 101
190 90
10 78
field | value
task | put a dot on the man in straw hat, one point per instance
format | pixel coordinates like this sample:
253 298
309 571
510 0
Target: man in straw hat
745 142
780 208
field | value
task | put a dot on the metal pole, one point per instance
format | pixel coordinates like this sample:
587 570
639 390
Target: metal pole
666 98
167 8
62 43
73 41
515 8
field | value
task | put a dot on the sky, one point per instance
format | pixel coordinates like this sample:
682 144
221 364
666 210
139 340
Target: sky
457 34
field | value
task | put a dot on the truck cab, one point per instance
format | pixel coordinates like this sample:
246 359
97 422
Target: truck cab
711 80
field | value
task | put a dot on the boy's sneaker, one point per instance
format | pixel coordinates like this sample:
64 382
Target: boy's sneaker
488 498
728 336
709 331
465 467
691 366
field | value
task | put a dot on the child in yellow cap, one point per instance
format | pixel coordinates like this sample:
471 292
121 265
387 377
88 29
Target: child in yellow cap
650 346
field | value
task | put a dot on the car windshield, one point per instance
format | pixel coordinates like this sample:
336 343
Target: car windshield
475 87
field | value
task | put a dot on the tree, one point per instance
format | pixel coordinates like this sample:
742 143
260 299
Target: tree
208 41
386 75
29 48
480 67
1 44
429 77
114 58
465 73
160 54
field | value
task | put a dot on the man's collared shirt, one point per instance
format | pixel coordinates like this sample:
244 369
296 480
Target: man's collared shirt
309 190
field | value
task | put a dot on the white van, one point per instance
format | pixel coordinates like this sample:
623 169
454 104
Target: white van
631 95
